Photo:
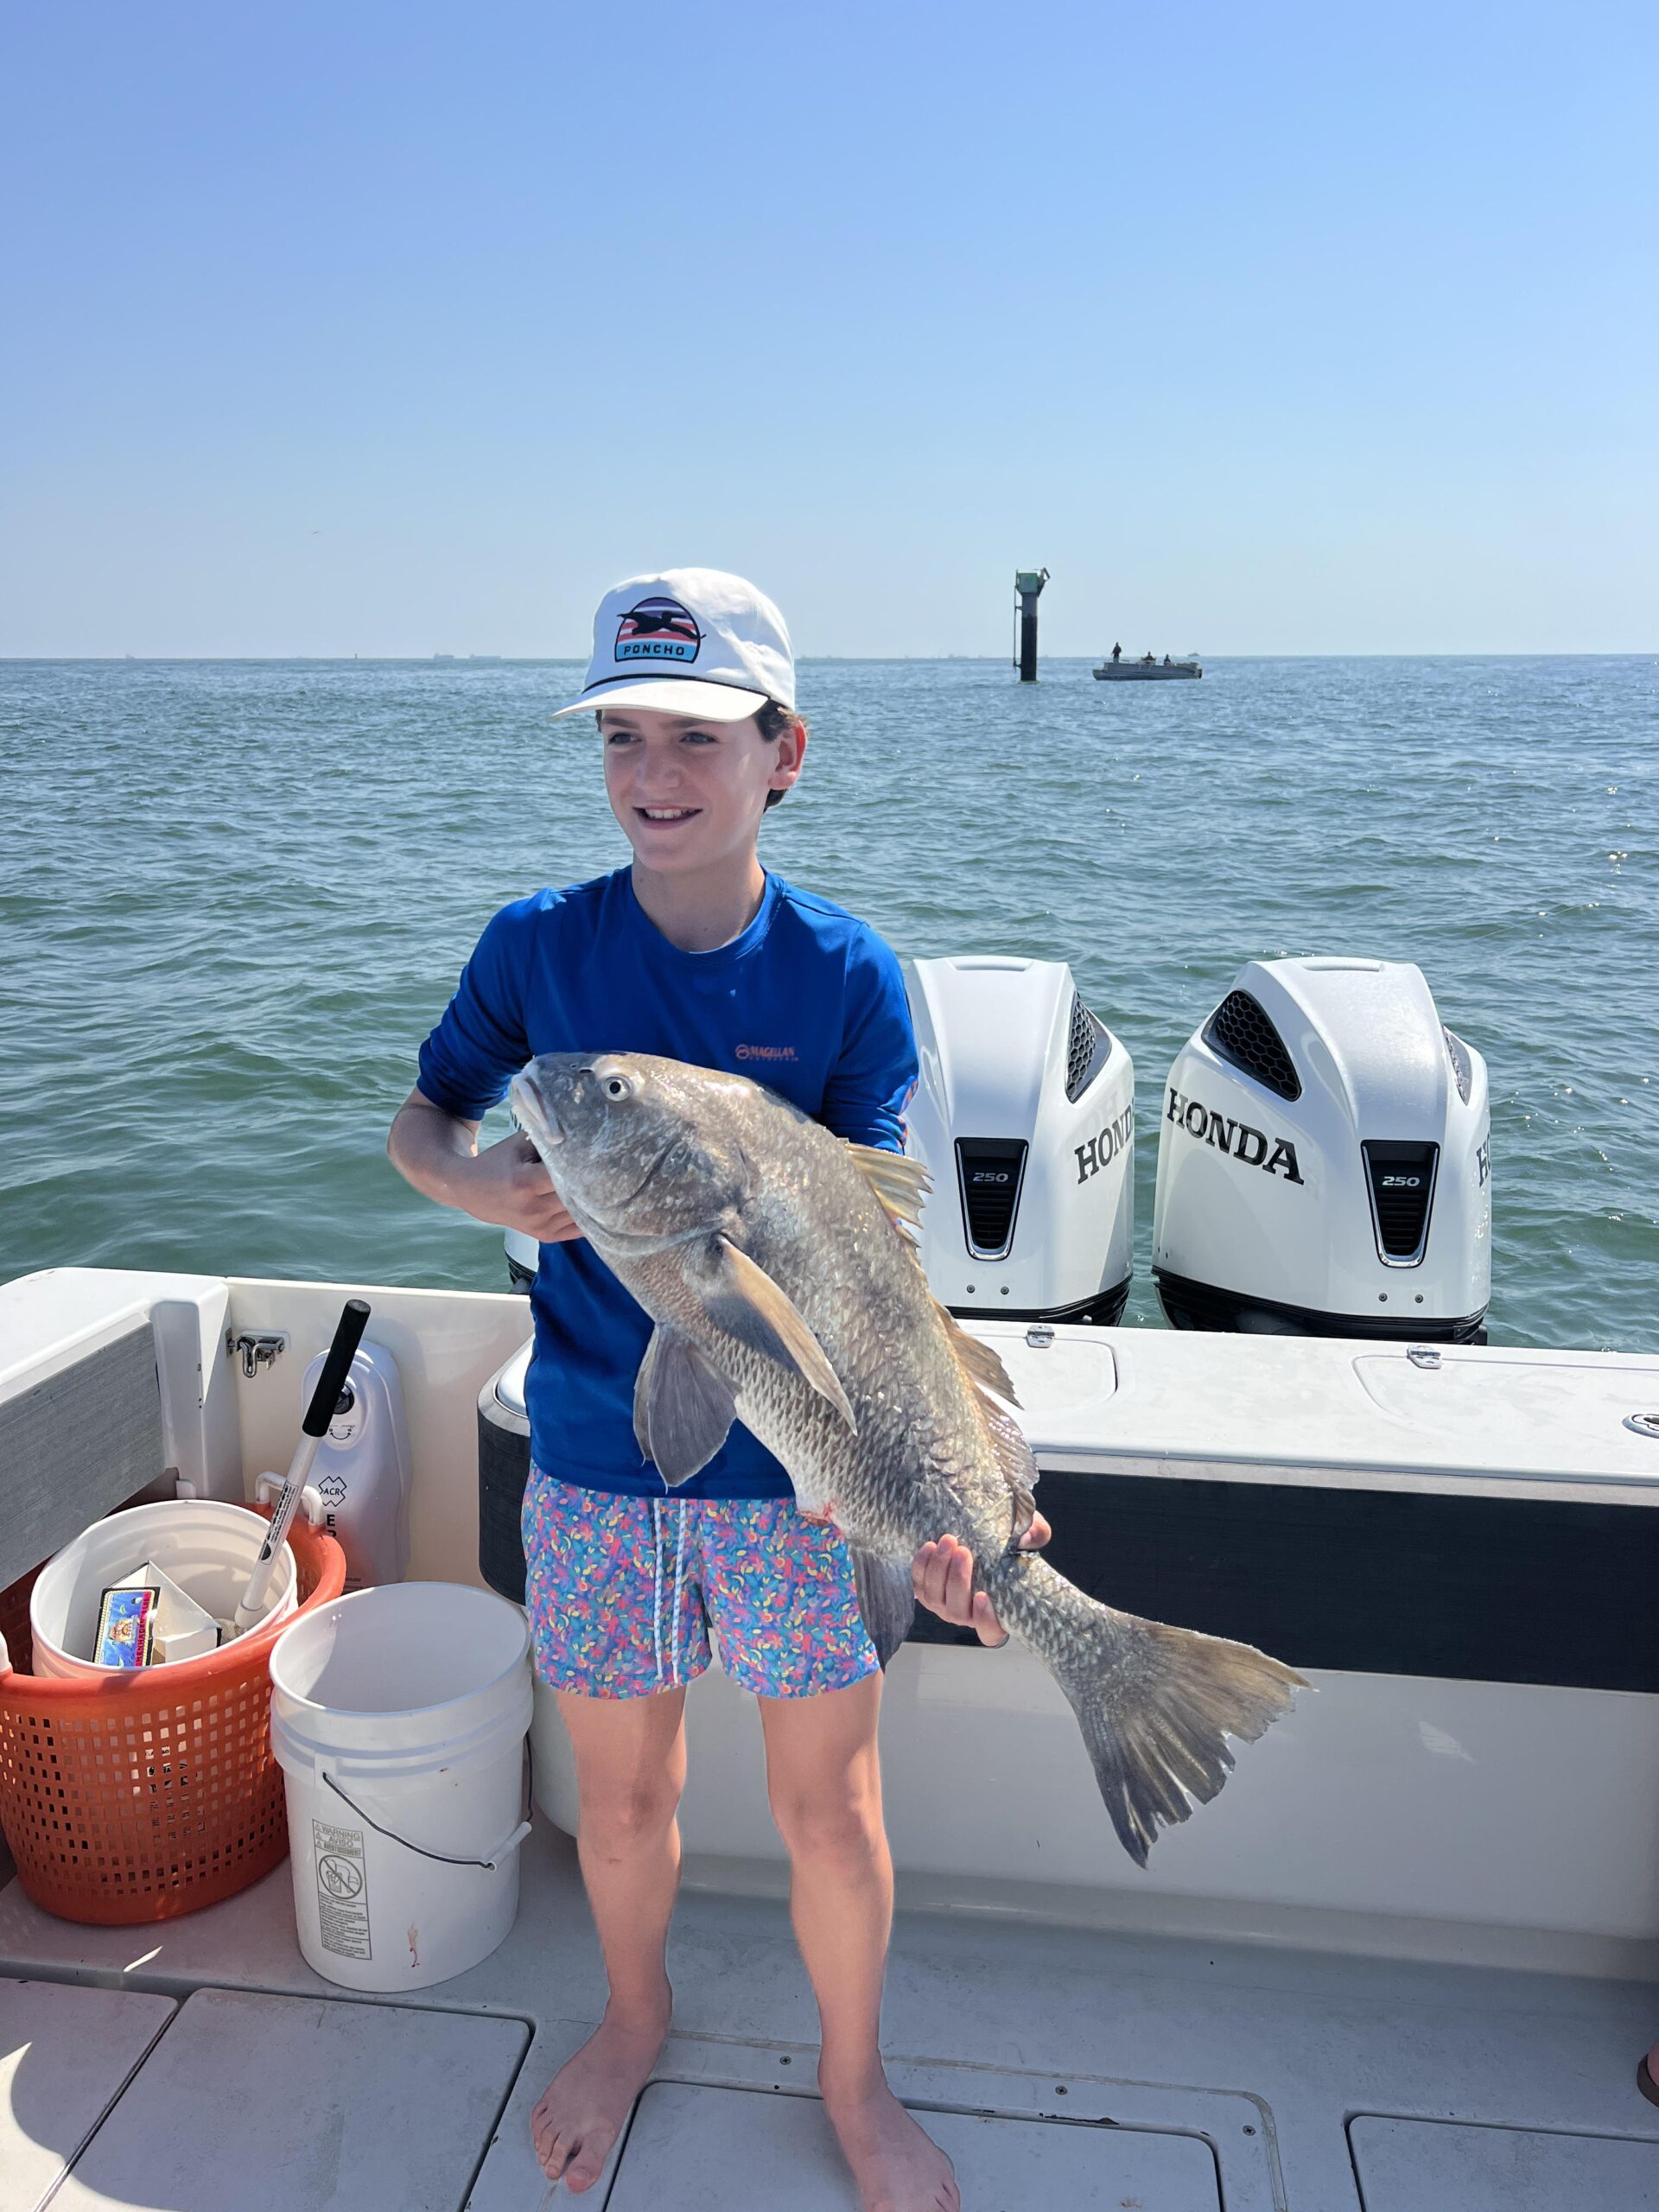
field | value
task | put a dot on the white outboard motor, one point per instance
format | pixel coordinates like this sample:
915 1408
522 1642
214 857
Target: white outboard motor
1024 1116
1324 1162
524 1258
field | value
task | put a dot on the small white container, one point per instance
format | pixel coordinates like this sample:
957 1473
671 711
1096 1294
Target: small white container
205 1546
398 1716
184 1630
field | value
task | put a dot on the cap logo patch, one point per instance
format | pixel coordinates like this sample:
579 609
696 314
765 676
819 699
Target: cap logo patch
658 629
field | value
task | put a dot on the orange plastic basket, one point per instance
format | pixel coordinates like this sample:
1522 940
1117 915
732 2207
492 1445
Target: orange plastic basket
147 1795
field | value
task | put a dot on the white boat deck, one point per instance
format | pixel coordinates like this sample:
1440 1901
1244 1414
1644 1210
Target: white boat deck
1474 1852
1060 2066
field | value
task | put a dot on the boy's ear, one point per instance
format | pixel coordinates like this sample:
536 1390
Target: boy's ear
791 751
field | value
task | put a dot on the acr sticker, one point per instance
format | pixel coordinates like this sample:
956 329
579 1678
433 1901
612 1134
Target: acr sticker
342 1891
1237 1140
658 629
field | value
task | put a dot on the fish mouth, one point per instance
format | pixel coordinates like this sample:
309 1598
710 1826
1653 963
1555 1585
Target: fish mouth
540 1121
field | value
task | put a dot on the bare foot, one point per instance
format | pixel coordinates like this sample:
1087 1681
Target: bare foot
584 2108
897 2167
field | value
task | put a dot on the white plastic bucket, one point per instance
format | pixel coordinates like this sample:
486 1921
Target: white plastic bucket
398 1717
207 1545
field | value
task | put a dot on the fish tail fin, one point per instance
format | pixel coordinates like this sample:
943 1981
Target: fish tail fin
1156 1705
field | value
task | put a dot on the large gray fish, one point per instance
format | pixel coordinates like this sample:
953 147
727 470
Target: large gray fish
778 1263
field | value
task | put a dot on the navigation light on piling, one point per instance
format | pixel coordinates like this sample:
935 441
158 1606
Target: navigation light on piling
1028 583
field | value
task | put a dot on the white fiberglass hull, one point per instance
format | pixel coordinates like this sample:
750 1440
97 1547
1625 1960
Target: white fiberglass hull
1460 1811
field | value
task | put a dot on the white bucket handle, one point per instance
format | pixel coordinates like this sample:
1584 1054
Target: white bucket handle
489 1865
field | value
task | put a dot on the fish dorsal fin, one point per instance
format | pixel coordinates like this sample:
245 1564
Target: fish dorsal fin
901 1184
983 1366
986 1374
1018 1469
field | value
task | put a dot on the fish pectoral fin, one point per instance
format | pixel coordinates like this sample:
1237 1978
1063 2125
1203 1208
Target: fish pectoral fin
886 1599
682 1406
743 1299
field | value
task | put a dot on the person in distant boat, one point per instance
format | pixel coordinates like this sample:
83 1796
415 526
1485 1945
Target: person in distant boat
1117 653
1146 661
1165 660
697 952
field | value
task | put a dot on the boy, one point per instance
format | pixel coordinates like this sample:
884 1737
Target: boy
697 953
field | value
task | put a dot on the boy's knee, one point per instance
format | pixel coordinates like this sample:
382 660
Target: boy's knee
843 1825
618 1821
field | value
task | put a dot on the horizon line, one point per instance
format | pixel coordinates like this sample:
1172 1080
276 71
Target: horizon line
577 660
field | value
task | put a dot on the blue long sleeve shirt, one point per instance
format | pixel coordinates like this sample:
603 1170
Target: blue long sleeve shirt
808 1001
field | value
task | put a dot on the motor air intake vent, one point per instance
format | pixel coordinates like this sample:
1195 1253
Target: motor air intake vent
1401 1180
1462 1066
990 1171
1087 1050
1242 1032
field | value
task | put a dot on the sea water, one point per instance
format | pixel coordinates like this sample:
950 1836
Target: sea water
234 896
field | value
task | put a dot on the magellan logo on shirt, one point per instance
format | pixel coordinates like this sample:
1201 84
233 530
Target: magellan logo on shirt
766 1053
658 629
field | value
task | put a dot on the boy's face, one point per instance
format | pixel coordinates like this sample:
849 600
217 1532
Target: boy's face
690 794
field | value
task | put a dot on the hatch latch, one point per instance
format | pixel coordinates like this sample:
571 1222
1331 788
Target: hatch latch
258 1347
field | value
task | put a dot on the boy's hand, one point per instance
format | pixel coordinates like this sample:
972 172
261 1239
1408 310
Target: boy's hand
506 1184
944 1576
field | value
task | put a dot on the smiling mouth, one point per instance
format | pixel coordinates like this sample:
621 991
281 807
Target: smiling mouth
667 813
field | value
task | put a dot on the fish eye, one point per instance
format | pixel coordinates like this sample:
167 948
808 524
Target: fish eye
617 1086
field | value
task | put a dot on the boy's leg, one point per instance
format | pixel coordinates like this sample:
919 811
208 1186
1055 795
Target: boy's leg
824 1780
630 1770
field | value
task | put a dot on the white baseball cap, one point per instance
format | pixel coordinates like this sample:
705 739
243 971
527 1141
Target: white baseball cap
689 641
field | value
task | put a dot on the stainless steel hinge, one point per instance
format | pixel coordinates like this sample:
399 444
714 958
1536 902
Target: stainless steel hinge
258 1347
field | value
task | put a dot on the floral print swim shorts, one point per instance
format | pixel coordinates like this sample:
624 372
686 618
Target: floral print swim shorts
622 1593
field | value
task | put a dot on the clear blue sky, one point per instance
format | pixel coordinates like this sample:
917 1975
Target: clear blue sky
397 329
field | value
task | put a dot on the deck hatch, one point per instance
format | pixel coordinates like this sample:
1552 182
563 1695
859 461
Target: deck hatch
65 2054
300 2104
696 2145
1408 2165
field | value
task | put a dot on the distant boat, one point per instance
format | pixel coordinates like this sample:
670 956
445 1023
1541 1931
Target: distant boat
1145 670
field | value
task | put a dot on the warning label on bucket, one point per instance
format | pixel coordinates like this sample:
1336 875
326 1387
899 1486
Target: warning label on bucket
342 1891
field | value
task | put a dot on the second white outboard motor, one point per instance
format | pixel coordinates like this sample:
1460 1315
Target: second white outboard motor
1324 1162
1024 1116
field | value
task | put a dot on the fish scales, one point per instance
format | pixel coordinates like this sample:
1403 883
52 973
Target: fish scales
922 1456
778 1263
